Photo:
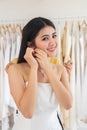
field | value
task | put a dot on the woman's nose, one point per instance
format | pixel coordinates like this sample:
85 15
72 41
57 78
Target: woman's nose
52 41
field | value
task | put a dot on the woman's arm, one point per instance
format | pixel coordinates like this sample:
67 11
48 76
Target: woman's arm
60 87
24 97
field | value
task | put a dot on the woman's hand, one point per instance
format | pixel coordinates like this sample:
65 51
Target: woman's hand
42 58
29 57
68 66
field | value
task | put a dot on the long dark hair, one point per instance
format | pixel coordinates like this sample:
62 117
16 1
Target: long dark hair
29 33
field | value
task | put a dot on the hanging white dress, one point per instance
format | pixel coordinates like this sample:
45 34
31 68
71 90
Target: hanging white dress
83 40
18 44
2 101
78 74
45 116
73 125
66 49
13 36
59 51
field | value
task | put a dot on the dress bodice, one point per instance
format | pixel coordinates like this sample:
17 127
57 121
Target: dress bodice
46 100
45 117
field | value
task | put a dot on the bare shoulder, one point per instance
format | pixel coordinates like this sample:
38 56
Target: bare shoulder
13 67
62 70
21 69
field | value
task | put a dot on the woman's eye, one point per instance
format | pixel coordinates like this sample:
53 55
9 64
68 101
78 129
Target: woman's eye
54 36
45 38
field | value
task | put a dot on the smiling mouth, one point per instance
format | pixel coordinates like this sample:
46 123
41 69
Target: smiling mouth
52 49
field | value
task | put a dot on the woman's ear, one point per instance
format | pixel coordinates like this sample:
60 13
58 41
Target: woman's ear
29 44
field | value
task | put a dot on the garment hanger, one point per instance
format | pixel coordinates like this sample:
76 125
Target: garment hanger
4 28
12 28
84 23
79 26
18 28
66 24
9 28
0 31
72 27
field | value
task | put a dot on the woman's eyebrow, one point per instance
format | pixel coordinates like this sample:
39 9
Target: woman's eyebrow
45 35
48 34
53 33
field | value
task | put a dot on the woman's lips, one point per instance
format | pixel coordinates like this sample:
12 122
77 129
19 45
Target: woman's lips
51 49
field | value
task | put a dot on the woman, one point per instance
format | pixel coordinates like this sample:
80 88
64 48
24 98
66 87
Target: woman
36 84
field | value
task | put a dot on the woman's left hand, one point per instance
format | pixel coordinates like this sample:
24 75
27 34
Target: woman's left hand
42 58
68 66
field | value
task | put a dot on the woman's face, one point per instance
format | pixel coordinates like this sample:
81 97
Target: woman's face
47 40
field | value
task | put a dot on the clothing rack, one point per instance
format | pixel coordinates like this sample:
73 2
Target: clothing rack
63 18
59 18
13 21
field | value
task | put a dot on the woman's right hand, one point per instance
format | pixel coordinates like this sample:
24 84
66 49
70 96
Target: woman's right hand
30 58
68 66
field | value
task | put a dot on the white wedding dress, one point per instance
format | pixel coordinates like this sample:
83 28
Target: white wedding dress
45 117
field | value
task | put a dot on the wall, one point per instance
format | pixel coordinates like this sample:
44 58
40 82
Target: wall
25 9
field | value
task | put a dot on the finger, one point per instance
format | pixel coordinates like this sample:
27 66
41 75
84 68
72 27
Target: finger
68 67
37 55
68 62
38 60
29 50
68 71
40 51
